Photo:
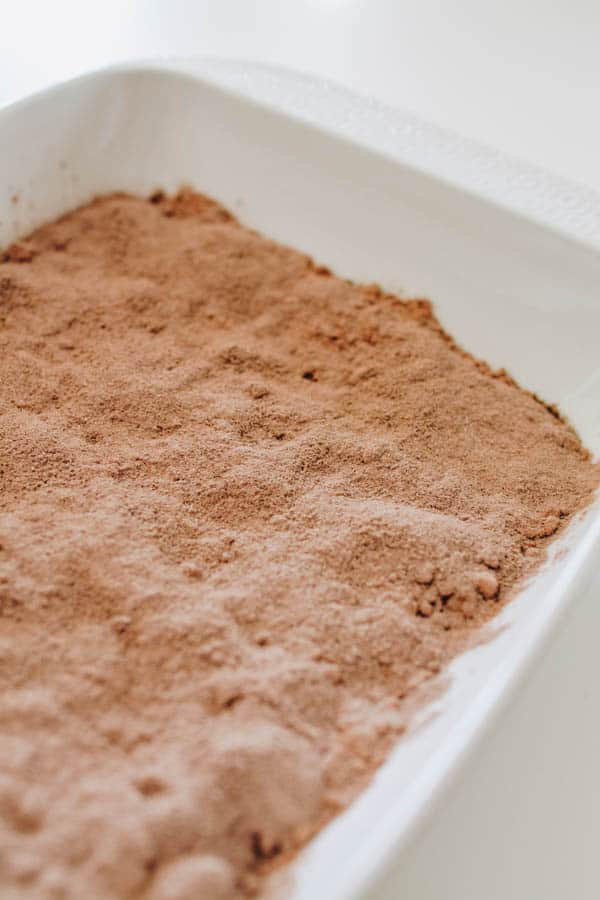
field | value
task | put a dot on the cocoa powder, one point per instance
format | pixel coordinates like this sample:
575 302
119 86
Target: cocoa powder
248 512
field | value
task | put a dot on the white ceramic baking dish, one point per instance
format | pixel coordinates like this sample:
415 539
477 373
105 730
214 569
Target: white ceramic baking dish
495 794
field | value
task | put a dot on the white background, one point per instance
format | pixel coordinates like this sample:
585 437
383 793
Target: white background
521 75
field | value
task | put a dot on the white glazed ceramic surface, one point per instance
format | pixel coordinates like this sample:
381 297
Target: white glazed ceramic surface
379 197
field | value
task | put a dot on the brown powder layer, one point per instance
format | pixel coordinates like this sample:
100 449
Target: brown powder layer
247 511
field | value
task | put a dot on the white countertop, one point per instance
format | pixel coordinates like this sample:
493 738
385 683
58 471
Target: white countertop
521 75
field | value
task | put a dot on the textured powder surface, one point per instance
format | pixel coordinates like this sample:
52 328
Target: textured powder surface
248 511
